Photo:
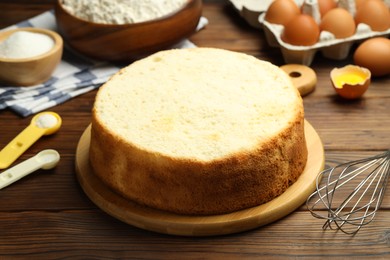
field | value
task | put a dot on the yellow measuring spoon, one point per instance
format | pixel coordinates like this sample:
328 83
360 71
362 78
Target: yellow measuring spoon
45 123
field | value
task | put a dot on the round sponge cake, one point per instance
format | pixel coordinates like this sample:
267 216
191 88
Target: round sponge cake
198 131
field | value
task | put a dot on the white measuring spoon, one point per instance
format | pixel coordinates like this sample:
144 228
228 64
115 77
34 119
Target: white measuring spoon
45 123
46 159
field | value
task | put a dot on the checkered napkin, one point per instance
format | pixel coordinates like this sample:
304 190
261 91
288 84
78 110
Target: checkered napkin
75 75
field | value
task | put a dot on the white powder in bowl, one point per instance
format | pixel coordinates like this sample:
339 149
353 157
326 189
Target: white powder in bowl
121 11
46 121
24 44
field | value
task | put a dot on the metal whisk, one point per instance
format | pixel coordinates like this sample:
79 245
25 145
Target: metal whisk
346 203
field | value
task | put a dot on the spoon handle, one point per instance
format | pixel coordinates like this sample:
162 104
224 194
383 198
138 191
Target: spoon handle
19 171
19 145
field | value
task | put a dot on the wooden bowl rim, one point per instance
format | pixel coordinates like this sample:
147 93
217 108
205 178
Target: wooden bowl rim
169 16
58 44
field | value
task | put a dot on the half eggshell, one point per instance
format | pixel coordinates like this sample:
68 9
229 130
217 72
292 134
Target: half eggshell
350 82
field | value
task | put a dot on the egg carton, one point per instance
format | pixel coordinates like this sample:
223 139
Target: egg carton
251 9
328 45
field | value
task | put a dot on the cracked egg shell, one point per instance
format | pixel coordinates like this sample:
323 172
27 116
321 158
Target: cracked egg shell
350 82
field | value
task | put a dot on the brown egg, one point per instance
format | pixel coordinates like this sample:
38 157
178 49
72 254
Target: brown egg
281 11
339 22
350 82
302 30
326 5
358 3
374 54
375 14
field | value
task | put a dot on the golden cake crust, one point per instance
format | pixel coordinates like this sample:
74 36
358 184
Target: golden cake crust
185 185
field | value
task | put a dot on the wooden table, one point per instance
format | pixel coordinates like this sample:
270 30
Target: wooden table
47 215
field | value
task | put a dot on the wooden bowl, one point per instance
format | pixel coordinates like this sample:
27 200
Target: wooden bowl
33 70
127 42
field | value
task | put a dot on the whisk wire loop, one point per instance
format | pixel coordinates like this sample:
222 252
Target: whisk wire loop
350 193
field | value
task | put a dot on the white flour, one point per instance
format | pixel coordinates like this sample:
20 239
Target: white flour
23 44
121 11
46 121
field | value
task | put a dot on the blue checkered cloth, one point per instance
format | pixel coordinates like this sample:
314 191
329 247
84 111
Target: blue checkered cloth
75 75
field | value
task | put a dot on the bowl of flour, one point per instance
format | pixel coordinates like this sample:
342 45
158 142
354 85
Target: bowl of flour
125 30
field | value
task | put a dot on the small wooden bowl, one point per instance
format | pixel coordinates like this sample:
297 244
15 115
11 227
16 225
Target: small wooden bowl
33 70
127 42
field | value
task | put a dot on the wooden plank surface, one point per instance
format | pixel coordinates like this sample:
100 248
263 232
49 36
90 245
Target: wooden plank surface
80 234
47 215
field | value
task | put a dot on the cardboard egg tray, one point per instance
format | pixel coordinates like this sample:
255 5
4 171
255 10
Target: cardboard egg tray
251 9
328 45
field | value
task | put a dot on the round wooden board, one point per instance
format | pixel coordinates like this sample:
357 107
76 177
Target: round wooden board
174 224
303 77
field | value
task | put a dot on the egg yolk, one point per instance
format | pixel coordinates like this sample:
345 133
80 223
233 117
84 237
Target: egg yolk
349 78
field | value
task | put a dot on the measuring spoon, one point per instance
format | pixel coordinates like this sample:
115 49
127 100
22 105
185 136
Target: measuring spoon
46 159
45 123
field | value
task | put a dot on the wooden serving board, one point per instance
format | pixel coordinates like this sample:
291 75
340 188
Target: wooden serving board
174 224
